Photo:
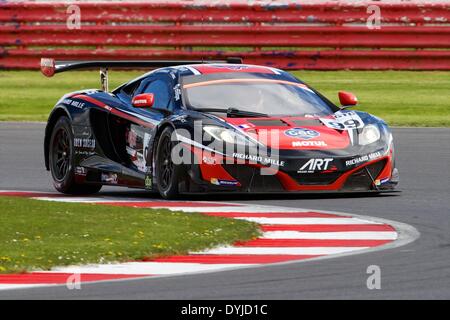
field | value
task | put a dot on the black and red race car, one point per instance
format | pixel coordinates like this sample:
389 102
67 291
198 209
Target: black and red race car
200 127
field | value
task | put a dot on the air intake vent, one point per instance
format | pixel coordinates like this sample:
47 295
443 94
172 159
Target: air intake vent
307 122
360 180
268 123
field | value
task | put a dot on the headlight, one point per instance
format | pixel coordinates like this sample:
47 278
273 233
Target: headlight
369 135
227 135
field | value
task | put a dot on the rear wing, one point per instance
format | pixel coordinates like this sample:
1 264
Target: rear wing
50 66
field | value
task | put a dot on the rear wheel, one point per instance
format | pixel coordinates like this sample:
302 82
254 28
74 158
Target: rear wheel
168 173
61 154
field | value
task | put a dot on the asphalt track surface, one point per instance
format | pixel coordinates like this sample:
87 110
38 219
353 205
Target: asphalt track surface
419 270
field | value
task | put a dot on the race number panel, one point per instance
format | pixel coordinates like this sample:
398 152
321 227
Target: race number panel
348 120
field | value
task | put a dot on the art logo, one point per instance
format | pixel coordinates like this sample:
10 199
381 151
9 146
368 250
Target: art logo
314 165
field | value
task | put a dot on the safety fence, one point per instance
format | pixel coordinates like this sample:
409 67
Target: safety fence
321 35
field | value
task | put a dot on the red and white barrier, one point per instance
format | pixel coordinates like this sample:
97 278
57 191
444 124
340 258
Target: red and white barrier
310 34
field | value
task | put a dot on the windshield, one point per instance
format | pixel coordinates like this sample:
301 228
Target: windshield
266 96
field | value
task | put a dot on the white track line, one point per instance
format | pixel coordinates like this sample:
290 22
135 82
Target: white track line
350 235
303 221
281 250
21 286
212 209
236 209
145 268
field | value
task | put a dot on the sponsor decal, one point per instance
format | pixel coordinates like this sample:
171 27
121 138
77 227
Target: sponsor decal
148 182
82 131
84 143
109 178
146 145
230 67
364 158
379 182
132 138
301 133
313 165
344 120
309 144
181 118
244 126
73 103
137 142
84 153
140 162
91 92
177 92
87 132
208 160
384 180
46 62
140 101
263 160
80 171
220 182
137 158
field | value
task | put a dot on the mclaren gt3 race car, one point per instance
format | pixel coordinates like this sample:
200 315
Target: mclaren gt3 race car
218 126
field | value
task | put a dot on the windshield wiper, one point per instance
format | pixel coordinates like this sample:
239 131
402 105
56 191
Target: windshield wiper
233 112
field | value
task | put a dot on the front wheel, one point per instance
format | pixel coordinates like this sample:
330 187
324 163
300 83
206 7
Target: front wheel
61 153
167 172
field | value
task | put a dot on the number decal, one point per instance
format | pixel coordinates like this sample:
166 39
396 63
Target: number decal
336 125
344 121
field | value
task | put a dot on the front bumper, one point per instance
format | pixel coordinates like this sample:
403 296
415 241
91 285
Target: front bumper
346 174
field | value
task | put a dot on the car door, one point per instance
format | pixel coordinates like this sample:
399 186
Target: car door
141 138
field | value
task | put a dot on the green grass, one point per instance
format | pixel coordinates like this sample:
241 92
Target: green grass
37 235
402 98
29 96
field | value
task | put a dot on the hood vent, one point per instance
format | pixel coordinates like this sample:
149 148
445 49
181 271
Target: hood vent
307 122
268 123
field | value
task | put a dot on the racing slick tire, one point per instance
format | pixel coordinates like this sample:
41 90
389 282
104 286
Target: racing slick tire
168 173
61 159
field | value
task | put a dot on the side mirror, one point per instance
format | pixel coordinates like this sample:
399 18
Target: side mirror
143 100
347 99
